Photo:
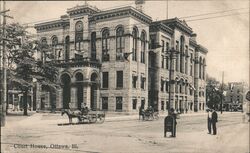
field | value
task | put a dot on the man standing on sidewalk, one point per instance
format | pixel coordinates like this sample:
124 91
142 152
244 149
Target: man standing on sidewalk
209 117
214 120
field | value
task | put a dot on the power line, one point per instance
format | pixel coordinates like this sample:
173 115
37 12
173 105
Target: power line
212 13
216 17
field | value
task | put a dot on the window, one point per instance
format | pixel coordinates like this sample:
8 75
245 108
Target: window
143 82
204 65
142 102
180 87
167 63
105 80
118 103
134 103
167 86
176 88
93 45
191 92
104 103
120 43
162 105
163 46
78 35
162 61
54 41
181 53
143 46
105 45
134 35
162 85
200 68
67 47
119 79
134 80
177 45
167 46
186 60
177 57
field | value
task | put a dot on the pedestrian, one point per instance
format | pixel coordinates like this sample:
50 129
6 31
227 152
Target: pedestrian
141 113
209 117
174 115
214 119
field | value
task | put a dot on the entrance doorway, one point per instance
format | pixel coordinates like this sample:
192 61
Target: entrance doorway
79 80
93 98
65 79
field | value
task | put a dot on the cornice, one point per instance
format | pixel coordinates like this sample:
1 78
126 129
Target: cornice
202 49
176 23
52 24
82 9
123 11
193 43
156 26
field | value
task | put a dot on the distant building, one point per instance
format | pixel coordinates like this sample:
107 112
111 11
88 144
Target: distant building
107 60
235 95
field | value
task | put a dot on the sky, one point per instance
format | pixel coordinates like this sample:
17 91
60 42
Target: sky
226 38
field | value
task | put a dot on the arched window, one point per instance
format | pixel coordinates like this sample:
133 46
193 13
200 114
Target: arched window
67 47
143 46
105 45
93 45
78 35
204 67
182 42
200 68
120 42
43 41
54 42
186 60
44 44
134 49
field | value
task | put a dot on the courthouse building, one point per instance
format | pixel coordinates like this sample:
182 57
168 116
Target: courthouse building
108 60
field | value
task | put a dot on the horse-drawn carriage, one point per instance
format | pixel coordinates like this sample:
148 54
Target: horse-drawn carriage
148 114
89 116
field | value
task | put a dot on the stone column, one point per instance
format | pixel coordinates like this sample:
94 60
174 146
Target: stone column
87 94
59 99
73 97
196 79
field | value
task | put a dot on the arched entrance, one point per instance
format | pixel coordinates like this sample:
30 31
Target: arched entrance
79 86
93 98
65 79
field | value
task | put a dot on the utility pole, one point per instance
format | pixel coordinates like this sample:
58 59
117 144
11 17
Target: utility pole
171 53
167 11
3 65
221 104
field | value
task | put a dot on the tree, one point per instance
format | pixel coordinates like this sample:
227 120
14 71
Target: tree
213 93
24 68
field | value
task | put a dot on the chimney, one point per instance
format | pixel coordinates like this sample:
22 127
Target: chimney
140 5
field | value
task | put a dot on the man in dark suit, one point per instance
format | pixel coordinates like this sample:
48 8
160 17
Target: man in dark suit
214 119
209 116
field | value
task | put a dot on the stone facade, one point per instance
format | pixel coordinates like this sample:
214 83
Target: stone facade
105 59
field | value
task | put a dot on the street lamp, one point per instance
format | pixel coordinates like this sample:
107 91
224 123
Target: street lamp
171 54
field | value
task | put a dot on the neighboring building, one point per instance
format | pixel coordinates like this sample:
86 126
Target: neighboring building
188 67
235 96
105 61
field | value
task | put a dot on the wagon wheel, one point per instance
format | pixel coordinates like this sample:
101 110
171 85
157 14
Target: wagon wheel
100 118
146 117
92 118
156 116
151 117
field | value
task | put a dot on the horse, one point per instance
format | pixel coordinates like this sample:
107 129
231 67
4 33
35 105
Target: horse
72 114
